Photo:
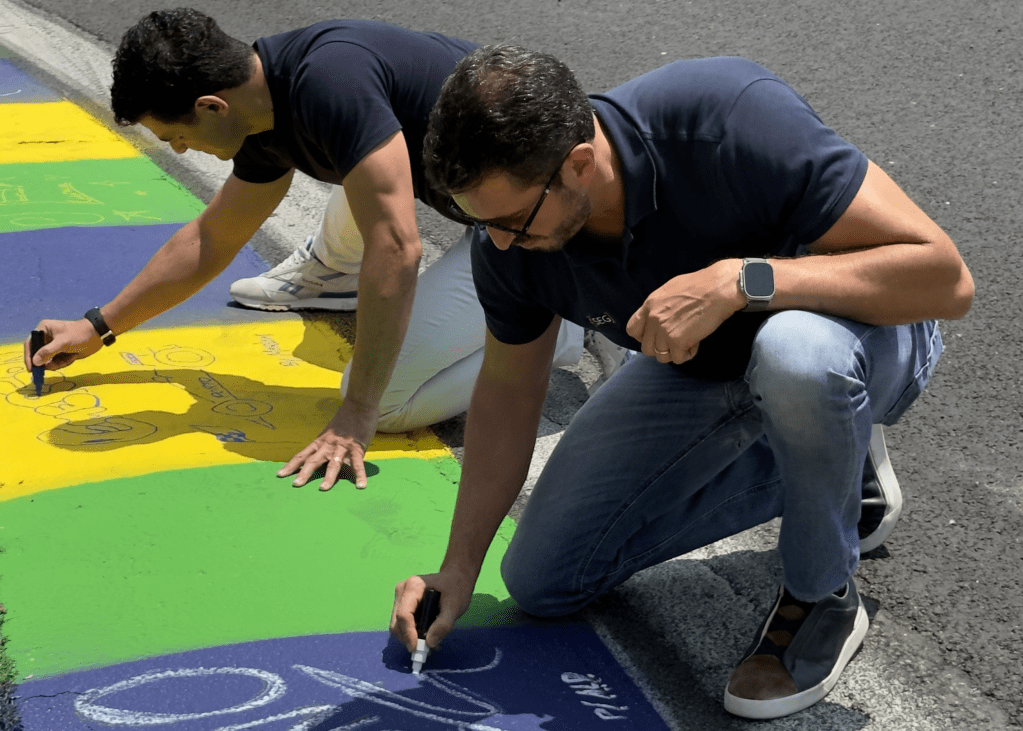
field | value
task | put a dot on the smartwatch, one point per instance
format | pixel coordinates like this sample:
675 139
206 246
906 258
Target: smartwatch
105 333
756 280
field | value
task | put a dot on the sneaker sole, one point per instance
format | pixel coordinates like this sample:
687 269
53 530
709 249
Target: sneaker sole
778 707
889 488
342 304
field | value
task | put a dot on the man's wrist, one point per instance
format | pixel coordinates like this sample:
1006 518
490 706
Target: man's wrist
99 324
356 406
731 268
467 570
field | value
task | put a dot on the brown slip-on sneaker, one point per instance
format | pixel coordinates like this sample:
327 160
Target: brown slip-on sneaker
798 654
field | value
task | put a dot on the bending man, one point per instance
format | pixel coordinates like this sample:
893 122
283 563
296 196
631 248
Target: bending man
783 291
345 102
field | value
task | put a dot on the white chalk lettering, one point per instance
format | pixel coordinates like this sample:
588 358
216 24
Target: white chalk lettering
316 713
591 686
357 688
464 710
273 689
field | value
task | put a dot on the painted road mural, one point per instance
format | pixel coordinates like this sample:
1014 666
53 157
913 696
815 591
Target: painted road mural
155 571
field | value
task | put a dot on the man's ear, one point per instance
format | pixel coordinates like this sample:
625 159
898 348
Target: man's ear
212 103
583 160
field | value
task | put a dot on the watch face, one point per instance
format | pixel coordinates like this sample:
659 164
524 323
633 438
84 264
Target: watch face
758 279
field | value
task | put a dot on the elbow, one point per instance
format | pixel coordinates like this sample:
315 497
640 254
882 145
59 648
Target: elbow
407 258
405 252
962 296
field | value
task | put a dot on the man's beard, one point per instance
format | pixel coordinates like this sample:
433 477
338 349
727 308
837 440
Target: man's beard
580 206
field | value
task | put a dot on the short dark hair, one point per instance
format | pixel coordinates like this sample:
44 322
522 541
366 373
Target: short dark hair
169 59
509 109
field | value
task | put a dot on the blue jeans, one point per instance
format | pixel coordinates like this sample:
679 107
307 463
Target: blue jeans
657 463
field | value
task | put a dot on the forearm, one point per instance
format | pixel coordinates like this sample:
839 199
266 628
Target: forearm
884 262
499 438
387 287
178 270
884 285
892 284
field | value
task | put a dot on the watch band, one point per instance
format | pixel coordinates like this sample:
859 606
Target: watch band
755 301
105 333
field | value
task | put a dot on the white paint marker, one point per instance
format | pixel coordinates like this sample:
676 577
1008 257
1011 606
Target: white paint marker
425 614
419 656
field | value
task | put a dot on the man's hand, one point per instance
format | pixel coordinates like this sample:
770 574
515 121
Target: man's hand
344 440
677 316
66 342
455 595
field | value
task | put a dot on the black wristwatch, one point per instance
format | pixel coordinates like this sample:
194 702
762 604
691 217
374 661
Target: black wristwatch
105 333
756 280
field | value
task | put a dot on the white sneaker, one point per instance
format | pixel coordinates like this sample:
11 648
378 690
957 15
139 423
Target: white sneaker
299 282
881 503
610 356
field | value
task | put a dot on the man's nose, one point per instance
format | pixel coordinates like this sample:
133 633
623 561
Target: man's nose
502 239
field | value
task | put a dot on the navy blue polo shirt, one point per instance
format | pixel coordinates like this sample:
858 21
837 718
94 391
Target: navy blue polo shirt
340 88
719 159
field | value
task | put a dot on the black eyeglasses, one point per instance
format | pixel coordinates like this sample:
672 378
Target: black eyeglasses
465 218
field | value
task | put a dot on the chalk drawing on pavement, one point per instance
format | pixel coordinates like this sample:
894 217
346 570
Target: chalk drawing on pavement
118 192
273 688
166 394
514 678
58 202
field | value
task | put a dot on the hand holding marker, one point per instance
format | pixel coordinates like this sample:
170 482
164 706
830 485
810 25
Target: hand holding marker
425 614
38 341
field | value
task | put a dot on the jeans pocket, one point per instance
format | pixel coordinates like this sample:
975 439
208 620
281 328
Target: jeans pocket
927 360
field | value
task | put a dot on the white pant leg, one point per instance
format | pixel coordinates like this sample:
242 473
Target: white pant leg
443 349
338 244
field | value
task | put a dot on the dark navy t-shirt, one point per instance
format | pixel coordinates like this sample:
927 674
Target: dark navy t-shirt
719 159
339 89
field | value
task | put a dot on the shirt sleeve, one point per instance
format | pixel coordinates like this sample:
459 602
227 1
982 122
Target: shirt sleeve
513 315
787 171
343 101
255 164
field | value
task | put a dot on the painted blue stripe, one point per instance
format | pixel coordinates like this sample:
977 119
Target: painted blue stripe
554 675
17 86
61 273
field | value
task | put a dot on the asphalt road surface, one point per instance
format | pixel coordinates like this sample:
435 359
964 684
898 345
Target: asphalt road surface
932 92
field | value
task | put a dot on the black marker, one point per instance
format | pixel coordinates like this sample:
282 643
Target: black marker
426 612
37 341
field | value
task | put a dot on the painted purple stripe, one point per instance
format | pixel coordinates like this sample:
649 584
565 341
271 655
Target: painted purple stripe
550 676
17 86
60 273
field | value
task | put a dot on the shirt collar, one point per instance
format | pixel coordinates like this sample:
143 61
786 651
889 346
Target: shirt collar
639 176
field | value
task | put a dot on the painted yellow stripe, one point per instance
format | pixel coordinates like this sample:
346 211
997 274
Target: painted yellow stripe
56 131
171 399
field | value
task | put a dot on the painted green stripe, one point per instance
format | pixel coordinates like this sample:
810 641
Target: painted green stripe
112 571
120 192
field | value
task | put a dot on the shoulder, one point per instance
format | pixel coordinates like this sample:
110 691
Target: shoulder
693 97
374 39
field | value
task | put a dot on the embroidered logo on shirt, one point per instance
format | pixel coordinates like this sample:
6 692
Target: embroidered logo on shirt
604 319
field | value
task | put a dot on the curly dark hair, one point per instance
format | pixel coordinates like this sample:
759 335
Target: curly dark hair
169 59
505 108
